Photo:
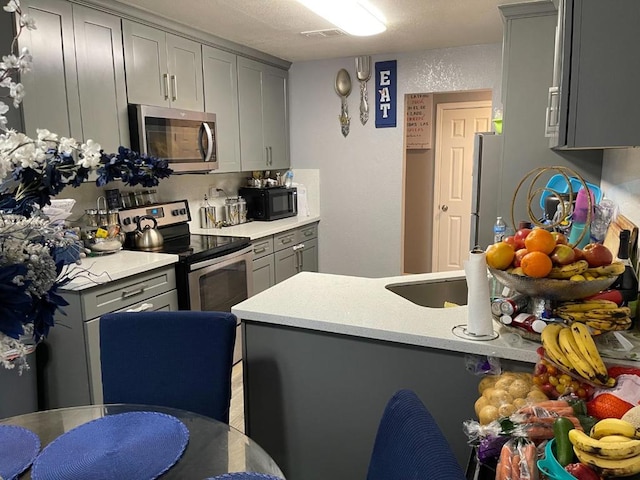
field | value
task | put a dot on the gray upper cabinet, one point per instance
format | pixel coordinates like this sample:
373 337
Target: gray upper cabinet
101 84
262 97
51 99
162 69
77 85
221 98
594 99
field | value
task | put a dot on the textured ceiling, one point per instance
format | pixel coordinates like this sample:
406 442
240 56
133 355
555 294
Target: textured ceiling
275 26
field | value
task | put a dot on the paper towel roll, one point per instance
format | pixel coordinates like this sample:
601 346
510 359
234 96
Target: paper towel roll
479 319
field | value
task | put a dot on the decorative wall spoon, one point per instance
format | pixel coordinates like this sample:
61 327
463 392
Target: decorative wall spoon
343 89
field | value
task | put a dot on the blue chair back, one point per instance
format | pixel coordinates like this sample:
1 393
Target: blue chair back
177 359
244 476
409 445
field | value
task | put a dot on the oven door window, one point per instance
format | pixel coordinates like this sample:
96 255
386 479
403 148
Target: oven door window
219 289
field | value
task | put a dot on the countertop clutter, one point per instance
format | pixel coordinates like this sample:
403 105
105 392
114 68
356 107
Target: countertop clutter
256 230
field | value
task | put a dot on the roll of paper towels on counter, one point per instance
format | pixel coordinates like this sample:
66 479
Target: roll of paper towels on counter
480 320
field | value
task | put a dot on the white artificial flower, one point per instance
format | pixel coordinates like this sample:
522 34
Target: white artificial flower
9 61
16 91
25 61
12 6
90 154
46 135
5 82
4 108
28 21
67 145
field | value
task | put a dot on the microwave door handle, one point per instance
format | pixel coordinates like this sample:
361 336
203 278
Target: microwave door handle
204 128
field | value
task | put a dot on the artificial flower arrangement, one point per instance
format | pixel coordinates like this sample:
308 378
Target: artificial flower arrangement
36 257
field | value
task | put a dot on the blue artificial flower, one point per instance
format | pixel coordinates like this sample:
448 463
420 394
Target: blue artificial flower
15 302
43 311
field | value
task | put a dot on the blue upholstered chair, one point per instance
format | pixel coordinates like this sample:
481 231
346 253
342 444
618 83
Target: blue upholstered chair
409 445
244 476
177 359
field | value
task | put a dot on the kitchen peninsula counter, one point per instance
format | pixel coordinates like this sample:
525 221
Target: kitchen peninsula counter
323 354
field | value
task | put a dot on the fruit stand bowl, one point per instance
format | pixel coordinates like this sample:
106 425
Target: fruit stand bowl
552 288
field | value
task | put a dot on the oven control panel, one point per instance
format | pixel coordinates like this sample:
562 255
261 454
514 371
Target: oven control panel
165 214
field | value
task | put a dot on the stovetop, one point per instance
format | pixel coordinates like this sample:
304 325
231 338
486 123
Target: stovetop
193 247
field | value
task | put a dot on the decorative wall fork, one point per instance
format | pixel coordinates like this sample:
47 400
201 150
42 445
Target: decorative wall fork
363 70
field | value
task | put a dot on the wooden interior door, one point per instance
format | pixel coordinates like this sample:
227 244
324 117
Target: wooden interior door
456 125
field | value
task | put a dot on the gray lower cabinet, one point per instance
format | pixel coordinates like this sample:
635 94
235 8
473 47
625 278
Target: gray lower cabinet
77 84
69 359
262 99
263 264
221 98
278 257
163 70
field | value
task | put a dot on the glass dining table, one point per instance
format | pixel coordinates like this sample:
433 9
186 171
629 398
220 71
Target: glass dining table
213 447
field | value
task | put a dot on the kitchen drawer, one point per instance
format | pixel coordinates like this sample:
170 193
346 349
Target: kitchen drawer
285 240
307 232
132 290
262 247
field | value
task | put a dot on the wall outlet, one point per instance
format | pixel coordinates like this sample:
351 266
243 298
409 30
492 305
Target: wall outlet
213 192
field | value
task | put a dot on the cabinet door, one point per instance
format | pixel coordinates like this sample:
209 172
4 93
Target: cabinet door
263 273
274 98
101 81
185 73
286 264
145 54
221 98
167 301
51 99
253 154
309 255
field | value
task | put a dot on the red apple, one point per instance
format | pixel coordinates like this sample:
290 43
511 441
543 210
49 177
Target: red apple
511 240
517 258
563 255
561 238
520 235
597 255
579 254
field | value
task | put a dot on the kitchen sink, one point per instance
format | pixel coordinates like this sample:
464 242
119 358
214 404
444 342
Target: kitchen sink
432 293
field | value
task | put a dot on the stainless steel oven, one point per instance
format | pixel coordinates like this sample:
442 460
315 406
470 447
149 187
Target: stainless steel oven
213 273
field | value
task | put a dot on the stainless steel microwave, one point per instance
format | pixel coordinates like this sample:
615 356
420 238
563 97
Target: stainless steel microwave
185 138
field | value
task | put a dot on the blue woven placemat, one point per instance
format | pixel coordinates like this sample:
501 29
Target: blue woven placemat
18 448
135 445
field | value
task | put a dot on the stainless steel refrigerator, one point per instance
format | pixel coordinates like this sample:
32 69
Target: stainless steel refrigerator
487 177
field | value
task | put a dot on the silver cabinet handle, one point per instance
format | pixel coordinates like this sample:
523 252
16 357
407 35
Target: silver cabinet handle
205 129
142 308
270 156
174 88
137 291
165 82
284 241
260 250
552 112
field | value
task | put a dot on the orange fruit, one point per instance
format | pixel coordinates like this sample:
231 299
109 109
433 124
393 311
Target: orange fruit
540 240
500 255
536 264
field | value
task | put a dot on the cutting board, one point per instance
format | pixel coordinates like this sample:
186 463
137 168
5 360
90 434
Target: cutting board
612 238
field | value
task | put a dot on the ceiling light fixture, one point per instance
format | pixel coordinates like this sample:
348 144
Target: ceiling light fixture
356 17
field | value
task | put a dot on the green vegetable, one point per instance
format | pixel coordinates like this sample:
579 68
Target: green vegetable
579 407
564 449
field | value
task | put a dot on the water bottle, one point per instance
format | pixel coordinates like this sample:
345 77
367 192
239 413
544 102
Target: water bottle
499 229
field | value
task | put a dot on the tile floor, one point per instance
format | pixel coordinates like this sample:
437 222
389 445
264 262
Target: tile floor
236 413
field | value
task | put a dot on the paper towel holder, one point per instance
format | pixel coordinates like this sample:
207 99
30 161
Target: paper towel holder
462 332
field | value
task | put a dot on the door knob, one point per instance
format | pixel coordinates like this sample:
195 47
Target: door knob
444 208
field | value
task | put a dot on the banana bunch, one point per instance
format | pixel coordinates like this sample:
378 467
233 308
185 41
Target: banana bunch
612 448
565 272
573 349
601 315
612 270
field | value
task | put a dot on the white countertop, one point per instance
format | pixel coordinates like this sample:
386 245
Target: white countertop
97 270
363 307
256 230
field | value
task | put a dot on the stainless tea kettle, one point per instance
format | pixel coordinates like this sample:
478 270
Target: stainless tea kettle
148 238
